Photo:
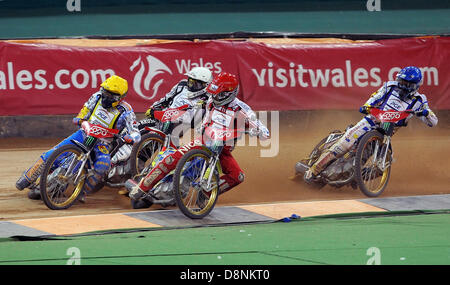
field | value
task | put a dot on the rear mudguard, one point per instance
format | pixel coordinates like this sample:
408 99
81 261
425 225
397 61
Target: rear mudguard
147 130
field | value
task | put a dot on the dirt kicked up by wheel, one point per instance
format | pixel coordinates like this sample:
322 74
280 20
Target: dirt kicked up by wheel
371 177
196 187
62 180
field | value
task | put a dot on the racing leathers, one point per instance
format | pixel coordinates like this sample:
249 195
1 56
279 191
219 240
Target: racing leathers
216 118
178 96
119 117
388 97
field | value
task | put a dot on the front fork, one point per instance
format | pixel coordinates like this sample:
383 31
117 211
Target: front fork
84 158
380 161
208 172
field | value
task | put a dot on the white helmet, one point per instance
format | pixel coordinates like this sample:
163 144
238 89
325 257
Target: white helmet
198 80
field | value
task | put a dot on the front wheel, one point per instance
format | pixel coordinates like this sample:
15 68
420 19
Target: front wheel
61 180
370 177
192 194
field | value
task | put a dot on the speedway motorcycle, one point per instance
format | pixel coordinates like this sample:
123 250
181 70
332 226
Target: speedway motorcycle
63 177
131 161
367 165
193 186
156 137
123 166
61 190
160 132
197 175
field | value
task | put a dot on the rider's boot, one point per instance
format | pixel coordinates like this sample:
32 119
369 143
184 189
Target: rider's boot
34 193
30 175
228 182
92 180
324 160
140 203
124 192
139 190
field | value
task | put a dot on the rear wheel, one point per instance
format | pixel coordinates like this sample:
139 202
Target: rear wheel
371 179
319 148
191 195
58 187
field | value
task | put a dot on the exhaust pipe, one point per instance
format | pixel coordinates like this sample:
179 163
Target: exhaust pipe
301 168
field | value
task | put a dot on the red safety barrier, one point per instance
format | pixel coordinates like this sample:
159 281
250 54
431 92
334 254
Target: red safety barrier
47 79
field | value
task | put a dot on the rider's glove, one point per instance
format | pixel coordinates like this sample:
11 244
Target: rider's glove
128 139
422 113
401 123
254 132
199 104
150 113
364 109
199 129
77 121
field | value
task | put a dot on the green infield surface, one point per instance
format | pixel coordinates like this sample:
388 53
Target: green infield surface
390 238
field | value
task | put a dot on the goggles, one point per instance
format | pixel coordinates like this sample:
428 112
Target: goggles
109 95
407 86
195 85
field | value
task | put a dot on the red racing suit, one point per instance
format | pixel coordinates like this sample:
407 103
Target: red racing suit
227 117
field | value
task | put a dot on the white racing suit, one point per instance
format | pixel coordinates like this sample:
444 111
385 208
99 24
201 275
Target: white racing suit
177 97
386 98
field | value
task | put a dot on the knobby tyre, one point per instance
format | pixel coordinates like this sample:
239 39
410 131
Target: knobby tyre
143 153
57 187
371 180
191 198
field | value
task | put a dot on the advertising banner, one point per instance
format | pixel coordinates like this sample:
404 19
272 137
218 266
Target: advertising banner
45 79
338 76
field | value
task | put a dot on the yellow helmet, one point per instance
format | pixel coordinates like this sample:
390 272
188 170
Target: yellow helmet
113 90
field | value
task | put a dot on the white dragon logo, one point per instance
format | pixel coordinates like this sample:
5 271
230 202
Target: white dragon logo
155 67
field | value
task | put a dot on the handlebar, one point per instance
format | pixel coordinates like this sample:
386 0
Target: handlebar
391 116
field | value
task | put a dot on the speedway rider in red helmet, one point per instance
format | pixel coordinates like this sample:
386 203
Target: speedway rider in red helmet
222 109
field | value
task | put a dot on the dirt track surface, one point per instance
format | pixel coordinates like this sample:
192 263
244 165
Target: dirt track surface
421 168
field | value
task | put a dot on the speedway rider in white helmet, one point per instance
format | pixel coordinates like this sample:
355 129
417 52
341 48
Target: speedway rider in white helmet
190 91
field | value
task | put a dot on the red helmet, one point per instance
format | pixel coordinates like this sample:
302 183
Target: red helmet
223 89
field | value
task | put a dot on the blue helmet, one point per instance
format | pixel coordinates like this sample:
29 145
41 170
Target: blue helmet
409 79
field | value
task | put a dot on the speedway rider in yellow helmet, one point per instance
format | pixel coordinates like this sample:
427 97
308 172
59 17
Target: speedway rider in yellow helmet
106 108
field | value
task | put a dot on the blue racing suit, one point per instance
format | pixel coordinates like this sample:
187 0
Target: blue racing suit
388 97
119 117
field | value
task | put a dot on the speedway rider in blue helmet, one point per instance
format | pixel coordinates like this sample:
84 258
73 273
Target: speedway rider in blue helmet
105 107
398 95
